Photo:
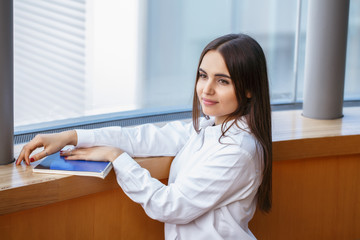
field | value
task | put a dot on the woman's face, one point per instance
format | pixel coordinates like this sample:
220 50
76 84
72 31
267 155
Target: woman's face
215 89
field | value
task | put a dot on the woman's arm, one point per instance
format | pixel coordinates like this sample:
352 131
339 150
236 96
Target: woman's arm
141 141
144 140
51 142
225 177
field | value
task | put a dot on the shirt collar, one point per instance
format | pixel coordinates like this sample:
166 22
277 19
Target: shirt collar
241 124
204 123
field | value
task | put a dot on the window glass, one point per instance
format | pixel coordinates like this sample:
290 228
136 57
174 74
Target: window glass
176 33
85 57
273 24
74 59
300 64
352 75
49 60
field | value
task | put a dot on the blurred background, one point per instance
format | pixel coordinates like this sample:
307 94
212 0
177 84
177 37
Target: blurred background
80 58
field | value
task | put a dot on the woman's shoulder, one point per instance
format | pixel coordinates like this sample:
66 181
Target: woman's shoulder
240 136
236 133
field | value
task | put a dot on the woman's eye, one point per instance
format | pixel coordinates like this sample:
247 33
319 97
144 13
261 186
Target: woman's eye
201 75
223 81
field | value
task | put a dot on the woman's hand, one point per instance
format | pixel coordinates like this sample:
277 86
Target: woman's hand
52 143
105 153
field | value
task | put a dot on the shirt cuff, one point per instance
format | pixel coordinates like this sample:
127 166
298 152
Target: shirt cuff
85 138
123 164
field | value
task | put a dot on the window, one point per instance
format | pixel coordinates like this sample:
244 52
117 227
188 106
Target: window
79 58
50 80
352 75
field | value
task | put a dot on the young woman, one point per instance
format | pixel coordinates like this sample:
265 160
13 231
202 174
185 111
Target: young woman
222 169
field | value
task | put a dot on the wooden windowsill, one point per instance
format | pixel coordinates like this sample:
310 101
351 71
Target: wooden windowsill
294 137
297 137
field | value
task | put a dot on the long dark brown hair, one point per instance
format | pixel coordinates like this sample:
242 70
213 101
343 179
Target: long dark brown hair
246 63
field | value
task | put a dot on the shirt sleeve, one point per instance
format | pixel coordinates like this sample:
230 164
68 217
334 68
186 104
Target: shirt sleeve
141 141
227 176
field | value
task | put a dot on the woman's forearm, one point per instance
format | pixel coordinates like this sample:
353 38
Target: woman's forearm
70 137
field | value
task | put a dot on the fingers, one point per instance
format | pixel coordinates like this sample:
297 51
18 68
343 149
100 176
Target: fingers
20 158
97 153
24 155
39 156
74 154
74 157
28 149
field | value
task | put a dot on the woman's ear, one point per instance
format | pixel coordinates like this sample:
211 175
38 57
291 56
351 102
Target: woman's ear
248 94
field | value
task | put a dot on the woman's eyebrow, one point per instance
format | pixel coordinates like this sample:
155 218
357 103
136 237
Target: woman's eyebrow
202 70
222 75
217 74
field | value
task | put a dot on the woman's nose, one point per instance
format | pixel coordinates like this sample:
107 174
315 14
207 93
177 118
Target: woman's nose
208 88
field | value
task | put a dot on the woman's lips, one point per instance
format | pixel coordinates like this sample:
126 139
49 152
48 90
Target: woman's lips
208 102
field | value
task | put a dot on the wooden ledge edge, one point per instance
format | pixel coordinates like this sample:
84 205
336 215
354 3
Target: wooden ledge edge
316 147
48 192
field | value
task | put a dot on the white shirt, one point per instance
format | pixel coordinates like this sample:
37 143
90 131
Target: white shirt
212 186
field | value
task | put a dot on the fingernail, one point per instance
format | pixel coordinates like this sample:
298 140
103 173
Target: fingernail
32 160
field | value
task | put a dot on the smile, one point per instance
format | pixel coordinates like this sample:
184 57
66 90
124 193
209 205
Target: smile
208 102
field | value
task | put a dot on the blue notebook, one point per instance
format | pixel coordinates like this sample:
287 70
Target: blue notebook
57 164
